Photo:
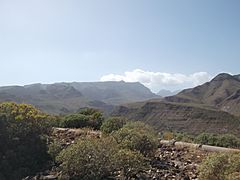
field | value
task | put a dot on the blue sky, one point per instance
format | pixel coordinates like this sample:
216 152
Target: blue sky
71 40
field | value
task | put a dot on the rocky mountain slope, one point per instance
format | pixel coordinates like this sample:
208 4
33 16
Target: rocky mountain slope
177 117
213 107
222 92
67 97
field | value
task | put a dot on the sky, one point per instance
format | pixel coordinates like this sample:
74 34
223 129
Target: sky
164 44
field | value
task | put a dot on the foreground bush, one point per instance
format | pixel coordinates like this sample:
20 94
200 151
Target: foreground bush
129 162
54 148
112 124
137 136
84 118
221 166
23 149
99 159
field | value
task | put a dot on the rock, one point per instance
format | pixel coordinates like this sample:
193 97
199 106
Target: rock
49 177
186 177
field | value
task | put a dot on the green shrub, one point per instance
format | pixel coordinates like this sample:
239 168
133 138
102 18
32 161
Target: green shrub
88 159
168 135
206 138
129 162
54 148
96 120
23 149
137 136
74 121
84 118
88 111
228 140
220 166
98 159
183 137
225 140
222 140
112 124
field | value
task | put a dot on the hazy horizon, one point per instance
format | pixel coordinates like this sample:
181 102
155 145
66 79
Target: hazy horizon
174 90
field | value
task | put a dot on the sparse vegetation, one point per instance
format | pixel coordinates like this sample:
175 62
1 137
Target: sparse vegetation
222 140
168 135
74 121
125 149
184 137
54 148
223 166
84 118
113 124
137 136
99 159
130 162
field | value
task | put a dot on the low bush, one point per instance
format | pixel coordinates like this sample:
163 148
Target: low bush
129 162
74 121
225 140
54 148
99 159
137 136
113 124
184 137
84 118
88 111
220 166
222 140
168 135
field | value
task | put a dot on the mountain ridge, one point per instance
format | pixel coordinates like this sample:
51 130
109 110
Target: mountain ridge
184 118
213 107
52 98
221 92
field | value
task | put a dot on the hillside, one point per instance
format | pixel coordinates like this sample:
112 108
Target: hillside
212 107
193 119
68 97
222 92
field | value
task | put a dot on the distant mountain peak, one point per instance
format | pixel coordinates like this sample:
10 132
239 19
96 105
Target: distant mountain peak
237 76
222 76
221 92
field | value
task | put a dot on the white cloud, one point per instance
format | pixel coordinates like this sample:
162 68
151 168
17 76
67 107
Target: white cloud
160 80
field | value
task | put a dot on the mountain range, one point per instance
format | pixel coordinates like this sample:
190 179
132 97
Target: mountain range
68 97
222 92
213 107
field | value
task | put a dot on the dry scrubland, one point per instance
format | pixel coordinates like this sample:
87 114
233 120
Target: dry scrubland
85 145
